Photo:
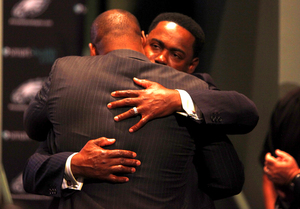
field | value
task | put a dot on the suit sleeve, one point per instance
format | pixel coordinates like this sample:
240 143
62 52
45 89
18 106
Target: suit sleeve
220 171
230 111
35 120
43 173
224 171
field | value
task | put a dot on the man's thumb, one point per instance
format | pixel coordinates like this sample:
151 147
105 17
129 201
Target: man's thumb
103 141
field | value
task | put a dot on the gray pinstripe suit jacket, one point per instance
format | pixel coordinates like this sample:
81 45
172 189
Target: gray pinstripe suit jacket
75 105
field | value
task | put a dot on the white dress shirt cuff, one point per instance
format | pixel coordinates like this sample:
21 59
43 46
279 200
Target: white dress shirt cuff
187 105
69 181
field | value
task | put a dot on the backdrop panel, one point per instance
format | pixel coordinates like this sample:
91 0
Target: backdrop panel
36 32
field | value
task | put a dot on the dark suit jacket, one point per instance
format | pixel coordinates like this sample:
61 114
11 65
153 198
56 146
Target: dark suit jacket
229 112
76 107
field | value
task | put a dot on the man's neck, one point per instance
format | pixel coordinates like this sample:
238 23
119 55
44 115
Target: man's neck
135 45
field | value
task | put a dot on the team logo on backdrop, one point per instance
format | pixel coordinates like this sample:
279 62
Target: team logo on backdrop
45 56
24 12
24 93
12 135
30 8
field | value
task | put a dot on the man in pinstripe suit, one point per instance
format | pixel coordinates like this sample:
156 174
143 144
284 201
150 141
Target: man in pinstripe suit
74 105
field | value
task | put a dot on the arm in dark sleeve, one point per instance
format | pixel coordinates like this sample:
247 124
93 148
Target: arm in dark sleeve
43 173
230 111
35 120
220 171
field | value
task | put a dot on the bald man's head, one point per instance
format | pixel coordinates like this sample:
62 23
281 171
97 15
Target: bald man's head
114 26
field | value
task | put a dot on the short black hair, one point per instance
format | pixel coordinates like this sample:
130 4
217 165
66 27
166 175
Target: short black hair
186 22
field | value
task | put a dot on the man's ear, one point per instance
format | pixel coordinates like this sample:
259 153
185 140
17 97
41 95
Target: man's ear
93 50
193 65
143 38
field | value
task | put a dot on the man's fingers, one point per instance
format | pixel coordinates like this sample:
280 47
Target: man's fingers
103 141
117 179
120 154
125 162
282 154
123 103
269 158
139 125
122 169
266 169
128 114
126 93
143 82
116 153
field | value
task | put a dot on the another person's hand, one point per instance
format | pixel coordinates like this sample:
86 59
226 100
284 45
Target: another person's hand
95 162
282 169
153 102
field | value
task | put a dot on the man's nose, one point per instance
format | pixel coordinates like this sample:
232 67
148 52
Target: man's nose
161 59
